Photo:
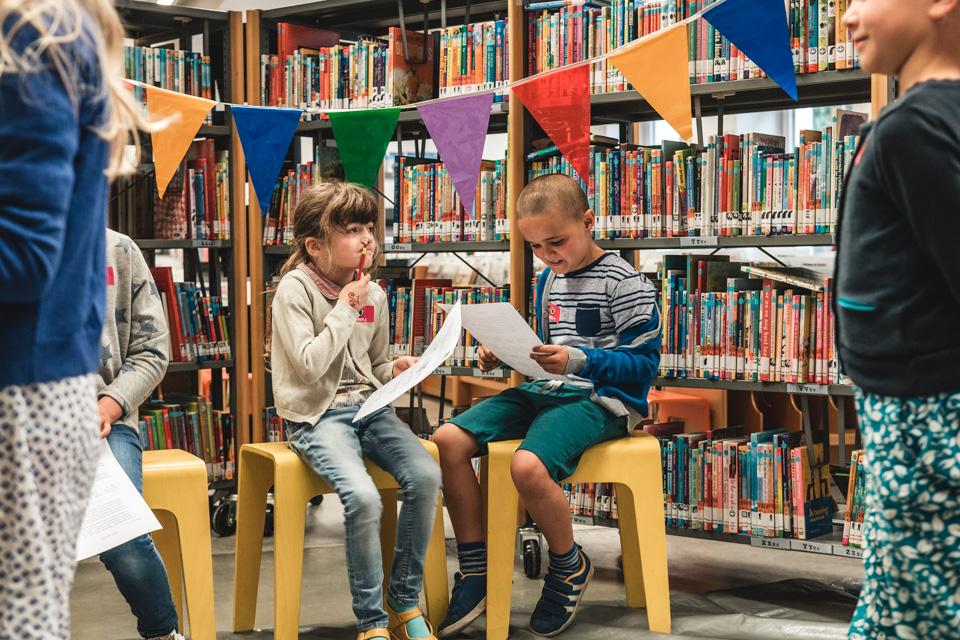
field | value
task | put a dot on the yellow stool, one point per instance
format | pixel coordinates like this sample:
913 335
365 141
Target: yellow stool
274 464
633 464
175 487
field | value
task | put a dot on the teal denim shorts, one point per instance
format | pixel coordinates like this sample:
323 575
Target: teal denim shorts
557 424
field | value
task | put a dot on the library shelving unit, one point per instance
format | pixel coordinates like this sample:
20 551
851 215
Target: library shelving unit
214 264
346 18
810 405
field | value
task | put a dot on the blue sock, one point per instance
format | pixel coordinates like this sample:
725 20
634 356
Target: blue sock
567 563
416 628
473 557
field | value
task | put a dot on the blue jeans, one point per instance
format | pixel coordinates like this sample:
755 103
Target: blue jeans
334 449
136 565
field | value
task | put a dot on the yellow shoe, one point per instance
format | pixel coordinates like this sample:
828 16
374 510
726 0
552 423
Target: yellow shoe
398 624
371 634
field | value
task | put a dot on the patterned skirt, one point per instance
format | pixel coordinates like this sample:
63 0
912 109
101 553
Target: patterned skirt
912 532
48 445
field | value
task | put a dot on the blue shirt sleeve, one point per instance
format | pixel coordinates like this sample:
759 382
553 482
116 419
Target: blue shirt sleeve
39 133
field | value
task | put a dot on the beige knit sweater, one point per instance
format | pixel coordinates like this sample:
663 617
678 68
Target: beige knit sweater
310 339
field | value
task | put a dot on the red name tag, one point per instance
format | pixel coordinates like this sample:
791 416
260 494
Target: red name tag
553 311
365 314
110 278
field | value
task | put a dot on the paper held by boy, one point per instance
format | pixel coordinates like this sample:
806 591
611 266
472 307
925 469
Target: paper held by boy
502 330
116 512
441 348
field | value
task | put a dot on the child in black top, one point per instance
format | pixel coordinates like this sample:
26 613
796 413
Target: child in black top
898 317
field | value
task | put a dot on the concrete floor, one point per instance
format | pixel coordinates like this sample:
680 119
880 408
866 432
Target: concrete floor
718 590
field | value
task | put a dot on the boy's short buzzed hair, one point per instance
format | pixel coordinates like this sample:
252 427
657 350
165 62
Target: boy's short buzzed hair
552 192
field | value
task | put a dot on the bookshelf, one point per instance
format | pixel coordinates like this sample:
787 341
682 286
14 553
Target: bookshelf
218 265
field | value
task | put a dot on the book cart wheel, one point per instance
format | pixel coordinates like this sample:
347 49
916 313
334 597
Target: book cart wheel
223 520
531 558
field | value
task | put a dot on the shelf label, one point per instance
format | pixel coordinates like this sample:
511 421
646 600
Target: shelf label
809 389
847 552
493 373
397 246
770 543
699 241
812 547
443 371
206 243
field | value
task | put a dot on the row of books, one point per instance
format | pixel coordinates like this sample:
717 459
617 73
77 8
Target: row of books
737 185
195 206
569 32
198 323
428 209
596 500
760 484
192 424
416 314
726 320
274 429
854 522
294 180
173 69
473 57
391 72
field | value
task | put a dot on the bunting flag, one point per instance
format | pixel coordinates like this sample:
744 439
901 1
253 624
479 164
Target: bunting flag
362 137
658 69
459 129
759 29
560 103
184 115
265 134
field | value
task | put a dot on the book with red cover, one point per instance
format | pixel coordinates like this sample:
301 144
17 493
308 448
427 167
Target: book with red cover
163 277
413 78
291 37
417 339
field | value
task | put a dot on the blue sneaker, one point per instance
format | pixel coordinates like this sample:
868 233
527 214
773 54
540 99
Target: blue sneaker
468 601
560 598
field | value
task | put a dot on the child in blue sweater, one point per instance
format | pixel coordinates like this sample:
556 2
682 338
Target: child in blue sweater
600 326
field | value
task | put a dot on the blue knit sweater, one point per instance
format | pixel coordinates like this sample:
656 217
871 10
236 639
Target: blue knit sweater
52 215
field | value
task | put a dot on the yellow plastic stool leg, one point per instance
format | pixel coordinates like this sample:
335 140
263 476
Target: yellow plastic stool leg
644 546
435 572
255 478
197 556
388 532
167 540
501 538
290 499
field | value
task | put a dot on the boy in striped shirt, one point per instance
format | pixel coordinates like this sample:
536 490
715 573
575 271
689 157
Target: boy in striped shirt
600 326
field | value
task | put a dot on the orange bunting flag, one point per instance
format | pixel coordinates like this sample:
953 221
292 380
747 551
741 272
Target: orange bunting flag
170 144
657 68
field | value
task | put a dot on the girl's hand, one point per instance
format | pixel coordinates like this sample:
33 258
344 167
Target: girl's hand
355 293
403 363
552 357
110 411
488 361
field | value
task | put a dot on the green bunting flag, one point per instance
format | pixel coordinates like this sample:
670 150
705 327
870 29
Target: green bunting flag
362 138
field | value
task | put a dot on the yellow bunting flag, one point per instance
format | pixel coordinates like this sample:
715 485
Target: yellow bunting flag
184 115
657 68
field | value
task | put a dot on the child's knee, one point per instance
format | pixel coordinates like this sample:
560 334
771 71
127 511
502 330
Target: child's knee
454 441
526 468
425 481
362 504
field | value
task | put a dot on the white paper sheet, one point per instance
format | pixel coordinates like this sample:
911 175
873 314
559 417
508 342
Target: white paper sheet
441 348
499 328
116 512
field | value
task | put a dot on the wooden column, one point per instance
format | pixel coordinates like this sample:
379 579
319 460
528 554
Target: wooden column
255 250
238 291
879 94
516 167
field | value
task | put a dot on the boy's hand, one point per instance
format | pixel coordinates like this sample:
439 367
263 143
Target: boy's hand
110 412
552 357
355 293
488 361
403 363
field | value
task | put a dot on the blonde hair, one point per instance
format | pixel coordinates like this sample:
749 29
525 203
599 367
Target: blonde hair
325 209
552 192
59 24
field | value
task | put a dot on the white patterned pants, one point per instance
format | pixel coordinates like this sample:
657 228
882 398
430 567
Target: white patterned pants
48 445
